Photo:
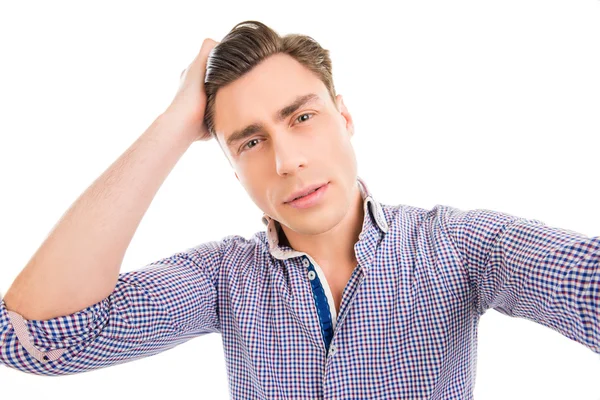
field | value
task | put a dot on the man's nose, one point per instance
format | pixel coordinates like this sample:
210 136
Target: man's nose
289 156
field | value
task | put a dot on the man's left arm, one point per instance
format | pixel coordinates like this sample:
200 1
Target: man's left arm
524 268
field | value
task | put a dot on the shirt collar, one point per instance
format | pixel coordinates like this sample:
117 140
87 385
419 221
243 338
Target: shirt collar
373 217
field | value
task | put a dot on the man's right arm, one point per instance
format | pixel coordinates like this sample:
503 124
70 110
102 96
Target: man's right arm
70 310
70 299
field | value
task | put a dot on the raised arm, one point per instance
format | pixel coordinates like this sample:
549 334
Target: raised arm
79 262
71 288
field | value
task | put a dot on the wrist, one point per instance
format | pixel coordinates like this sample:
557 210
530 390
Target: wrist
179 126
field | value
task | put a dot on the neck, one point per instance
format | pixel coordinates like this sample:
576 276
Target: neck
336 246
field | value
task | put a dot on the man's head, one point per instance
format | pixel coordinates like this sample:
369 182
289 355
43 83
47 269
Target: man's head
271 105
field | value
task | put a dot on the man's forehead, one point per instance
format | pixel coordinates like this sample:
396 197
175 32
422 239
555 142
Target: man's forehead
268 86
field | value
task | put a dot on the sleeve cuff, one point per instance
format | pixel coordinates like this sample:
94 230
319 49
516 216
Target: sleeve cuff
48 340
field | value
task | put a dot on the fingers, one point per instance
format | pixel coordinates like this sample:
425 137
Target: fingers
198 66
201 58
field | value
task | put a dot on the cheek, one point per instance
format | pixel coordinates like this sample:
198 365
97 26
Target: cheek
336 141
256 189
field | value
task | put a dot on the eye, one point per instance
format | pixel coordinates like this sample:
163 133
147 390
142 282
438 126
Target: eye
244 147
300 119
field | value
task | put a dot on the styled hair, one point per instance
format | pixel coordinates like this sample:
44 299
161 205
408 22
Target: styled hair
248 44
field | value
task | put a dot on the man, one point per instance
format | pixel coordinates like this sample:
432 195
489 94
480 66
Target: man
341 297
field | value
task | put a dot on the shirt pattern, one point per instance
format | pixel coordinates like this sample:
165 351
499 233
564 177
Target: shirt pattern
407 324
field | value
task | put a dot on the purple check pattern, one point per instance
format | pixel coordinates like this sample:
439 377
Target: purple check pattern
407 324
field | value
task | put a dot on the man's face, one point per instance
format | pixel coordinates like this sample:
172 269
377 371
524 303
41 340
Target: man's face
288 148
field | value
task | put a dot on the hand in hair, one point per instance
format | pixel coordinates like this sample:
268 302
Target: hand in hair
190 100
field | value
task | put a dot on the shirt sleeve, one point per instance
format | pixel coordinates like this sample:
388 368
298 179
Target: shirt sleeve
524 268
152 309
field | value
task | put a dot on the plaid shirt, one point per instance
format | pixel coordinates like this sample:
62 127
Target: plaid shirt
407 324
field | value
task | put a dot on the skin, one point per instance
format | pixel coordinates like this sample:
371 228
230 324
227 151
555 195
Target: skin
311 145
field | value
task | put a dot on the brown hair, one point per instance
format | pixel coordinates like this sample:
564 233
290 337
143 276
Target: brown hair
251 42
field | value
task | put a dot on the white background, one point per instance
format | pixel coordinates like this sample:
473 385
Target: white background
472 104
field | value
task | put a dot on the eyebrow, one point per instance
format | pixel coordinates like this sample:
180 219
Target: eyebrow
280 115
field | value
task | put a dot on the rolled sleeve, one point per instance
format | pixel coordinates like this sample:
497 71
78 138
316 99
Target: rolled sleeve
47 340
524 268
152 309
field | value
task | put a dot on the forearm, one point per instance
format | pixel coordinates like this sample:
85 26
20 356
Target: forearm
79 262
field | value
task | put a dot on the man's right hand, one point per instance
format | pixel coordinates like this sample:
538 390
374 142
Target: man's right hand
190 101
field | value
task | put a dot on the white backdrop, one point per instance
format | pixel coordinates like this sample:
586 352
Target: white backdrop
472 104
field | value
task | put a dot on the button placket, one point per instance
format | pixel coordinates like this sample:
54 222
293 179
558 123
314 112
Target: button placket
321 302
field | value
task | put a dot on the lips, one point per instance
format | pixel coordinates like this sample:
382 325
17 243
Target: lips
304 191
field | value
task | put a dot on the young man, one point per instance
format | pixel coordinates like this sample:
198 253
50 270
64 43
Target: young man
340 296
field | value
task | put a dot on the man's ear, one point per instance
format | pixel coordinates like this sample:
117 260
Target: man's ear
345 114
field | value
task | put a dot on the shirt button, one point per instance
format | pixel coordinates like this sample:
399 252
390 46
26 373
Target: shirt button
332 350
45 358
306 263
311 275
